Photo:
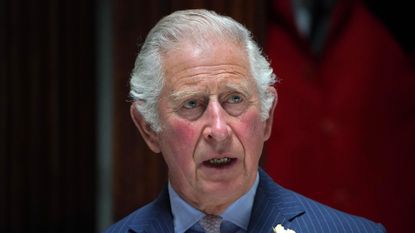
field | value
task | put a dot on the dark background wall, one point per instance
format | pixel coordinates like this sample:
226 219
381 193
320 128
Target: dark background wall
47 130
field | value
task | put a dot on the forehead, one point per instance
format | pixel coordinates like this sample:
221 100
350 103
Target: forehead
190 64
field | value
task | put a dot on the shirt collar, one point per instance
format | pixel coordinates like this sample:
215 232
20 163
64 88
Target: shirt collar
238 213
184 215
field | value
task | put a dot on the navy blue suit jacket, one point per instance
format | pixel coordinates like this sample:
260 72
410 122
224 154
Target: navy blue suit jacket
273 205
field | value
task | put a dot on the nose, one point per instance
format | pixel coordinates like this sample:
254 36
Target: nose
217 128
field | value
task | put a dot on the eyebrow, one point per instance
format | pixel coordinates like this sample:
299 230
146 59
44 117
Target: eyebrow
238 87
186 94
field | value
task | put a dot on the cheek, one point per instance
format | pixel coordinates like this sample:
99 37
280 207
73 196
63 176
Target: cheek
253 127
181 137
251 133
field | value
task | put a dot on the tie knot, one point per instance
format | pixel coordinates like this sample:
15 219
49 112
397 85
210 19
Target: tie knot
211 223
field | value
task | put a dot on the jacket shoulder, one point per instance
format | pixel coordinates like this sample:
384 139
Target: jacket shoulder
153 217
278 205
318 217
134 218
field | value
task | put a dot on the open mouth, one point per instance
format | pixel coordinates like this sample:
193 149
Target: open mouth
219 162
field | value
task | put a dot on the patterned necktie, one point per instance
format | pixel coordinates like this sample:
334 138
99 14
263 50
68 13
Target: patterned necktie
211 223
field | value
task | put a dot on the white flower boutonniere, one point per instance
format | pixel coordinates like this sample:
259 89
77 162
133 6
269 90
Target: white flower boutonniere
280 229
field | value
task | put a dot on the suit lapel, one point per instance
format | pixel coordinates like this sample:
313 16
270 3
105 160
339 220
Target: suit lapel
159 218
272 205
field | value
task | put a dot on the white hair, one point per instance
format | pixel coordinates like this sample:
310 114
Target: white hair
148 74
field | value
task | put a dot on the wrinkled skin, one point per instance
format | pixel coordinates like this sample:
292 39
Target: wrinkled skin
209 108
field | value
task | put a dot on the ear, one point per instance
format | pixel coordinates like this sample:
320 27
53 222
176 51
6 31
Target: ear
148 134
269 121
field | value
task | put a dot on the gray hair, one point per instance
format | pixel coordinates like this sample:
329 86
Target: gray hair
148 74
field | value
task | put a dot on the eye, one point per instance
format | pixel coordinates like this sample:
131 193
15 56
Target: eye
235 104
189 104
192 109
234 99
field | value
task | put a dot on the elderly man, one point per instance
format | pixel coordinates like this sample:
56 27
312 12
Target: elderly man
204 98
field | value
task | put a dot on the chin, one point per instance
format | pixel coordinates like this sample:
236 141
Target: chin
226 190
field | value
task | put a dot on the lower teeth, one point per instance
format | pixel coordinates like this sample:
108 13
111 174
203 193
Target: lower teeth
219 161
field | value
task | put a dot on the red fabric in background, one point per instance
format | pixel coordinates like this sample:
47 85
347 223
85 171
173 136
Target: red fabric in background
344 127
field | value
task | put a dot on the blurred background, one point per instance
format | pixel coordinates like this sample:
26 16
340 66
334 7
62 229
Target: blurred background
71 159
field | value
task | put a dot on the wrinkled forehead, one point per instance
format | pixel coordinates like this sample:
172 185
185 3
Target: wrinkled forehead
189 62
210 50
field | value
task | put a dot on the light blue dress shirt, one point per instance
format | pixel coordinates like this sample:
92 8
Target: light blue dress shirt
235 217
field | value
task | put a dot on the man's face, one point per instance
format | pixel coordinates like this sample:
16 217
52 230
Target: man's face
212 133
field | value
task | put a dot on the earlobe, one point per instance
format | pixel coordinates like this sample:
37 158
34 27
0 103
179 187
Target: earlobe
148 134
270 120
